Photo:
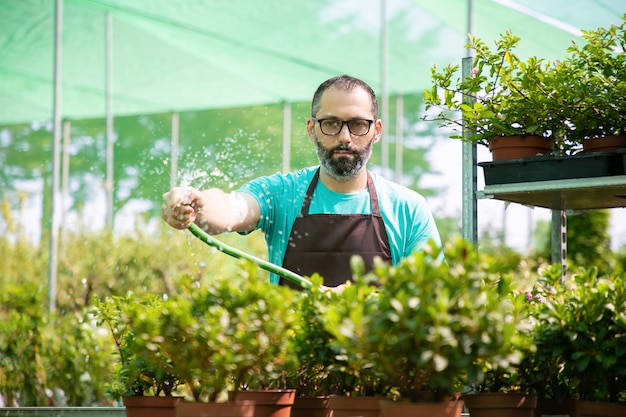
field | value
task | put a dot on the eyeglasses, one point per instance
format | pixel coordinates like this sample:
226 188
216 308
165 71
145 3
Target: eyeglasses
332 127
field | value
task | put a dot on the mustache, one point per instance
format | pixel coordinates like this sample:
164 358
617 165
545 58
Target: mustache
342 147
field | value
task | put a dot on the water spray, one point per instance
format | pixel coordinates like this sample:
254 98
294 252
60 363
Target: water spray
268 266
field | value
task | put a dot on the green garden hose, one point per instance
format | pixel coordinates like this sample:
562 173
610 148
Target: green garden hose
268 266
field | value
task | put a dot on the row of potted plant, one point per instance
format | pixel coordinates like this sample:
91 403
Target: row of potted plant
424 331
202 344
571 103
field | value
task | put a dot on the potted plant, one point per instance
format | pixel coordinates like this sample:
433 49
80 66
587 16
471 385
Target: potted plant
359 386
312 379
504 98
596 88
433 324
326 372
501 387
140 380
579 334
221 337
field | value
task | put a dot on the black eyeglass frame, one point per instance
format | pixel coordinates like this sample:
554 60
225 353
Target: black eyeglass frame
344 123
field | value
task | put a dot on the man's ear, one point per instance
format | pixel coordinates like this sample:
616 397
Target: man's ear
310 129
379 130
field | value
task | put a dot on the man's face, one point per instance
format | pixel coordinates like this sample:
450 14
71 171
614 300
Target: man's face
344 155
343 161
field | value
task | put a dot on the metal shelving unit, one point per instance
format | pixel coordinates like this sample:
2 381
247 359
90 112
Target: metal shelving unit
556 195
570 194
561 196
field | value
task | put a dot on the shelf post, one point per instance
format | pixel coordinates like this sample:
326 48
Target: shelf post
469 208
559 240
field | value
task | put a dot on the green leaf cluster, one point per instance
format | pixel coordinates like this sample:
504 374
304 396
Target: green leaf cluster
578 98
597 89
137 370
434 324
347 318
311 345
580 330
227 335
47 358
64 358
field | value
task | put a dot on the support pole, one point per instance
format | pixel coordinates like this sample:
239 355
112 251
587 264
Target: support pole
470 22
56 147
469 209
559 240
109 124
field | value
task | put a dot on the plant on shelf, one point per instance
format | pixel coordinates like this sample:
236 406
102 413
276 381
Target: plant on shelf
596 88
504 96
435 322
571 101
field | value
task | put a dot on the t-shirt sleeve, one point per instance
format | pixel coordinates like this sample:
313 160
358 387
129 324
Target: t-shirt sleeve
265 191
423 228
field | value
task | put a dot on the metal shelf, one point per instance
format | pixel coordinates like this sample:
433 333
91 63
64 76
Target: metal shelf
569 194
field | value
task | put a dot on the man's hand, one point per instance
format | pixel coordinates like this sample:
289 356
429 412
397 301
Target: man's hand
180 206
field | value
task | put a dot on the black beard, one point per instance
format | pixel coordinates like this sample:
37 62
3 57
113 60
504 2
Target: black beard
343 168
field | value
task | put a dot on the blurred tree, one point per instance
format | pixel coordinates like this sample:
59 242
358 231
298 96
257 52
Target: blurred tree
588 241
218 147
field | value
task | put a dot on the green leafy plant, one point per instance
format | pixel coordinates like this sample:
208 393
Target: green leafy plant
346 319
311 344
436 323
47 359
503 96
578 98
579 334
22 323
596 85
229 334
139 368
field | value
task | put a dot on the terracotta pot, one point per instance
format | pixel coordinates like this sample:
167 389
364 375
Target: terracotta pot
606 144
150 406
496 404
515 147
401 409
198 409
355 406
269 403
311 407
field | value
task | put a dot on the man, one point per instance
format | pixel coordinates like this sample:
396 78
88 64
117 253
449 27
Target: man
316 218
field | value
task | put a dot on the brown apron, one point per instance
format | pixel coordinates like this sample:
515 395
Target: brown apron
324 243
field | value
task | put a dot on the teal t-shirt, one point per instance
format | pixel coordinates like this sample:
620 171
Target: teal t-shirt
408 219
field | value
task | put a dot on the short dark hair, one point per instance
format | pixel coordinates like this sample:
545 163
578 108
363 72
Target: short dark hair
347 83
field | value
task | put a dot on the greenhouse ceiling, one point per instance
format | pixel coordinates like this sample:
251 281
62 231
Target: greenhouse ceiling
164 56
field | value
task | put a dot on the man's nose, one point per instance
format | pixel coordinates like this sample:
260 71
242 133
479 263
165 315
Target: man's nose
344 134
